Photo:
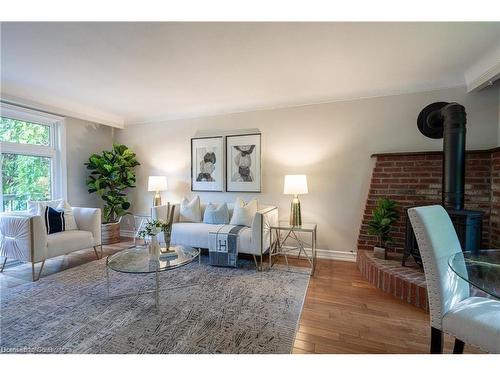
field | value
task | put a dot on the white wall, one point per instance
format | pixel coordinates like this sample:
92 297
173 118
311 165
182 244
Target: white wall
498 134
331 143
83 138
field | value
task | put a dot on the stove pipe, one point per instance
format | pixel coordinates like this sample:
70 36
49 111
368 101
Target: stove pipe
447 121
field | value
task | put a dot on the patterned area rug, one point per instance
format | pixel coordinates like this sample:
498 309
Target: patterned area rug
228 311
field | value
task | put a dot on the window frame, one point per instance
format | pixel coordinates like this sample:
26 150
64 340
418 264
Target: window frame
56 150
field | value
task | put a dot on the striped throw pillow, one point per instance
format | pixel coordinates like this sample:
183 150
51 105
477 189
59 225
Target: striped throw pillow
54 220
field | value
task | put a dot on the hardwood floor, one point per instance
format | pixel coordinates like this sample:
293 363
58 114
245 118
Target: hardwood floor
345 314
342 312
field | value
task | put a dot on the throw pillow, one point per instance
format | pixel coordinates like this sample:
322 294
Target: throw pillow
54 220
243 214
216 214
38 208
190 211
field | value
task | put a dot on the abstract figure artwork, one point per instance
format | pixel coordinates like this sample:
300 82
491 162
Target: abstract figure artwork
207 164
243 163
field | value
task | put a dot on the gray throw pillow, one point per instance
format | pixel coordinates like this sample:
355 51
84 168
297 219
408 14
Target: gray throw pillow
216 214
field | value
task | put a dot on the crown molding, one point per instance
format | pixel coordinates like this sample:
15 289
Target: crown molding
485 71
65 110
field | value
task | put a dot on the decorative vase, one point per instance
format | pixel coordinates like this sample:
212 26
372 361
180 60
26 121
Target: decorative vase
167 236
380 252
154 248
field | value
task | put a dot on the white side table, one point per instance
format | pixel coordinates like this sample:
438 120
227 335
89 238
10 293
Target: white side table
282 232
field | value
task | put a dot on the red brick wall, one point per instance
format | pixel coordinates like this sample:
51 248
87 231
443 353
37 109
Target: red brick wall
415 179
495 200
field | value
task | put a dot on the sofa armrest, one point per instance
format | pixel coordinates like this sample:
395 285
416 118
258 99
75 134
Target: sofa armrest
165 212
89 219
23 237
261 224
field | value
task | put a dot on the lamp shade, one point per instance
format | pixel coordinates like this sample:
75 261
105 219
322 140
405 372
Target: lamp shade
157 183
295 184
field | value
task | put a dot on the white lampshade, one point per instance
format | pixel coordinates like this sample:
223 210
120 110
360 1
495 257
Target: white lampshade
295 184
157 183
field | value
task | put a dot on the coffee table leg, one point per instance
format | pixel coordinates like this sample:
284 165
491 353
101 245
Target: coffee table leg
107 276
157 297
270 248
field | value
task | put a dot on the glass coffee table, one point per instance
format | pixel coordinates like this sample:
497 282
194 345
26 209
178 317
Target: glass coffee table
136 260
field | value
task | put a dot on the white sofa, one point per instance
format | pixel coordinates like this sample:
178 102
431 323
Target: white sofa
24 237
253 240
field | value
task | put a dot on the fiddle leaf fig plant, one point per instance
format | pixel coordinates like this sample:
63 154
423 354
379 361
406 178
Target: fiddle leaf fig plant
112 172
384 215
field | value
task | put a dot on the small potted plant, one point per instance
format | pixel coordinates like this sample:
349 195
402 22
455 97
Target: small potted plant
150 234
112 172
384 215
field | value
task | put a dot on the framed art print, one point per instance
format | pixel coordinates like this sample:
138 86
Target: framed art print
243 163
207 164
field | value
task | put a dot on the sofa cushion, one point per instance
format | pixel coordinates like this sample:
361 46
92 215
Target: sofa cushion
216 214
190 211
196 235
243 214
68 241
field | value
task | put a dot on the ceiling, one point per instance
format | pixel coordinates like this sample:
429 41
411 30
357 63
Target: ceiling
127 73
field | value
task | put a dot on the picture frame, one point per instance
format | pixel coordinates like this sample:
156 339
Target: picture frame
207 164
243 163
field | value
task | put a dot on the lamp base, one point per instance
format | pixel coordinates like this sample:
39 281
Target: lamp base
157 199
295 215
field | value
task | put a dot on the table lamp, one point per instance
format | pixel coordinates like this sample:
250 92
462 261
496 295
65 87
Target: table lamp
295 184
157 184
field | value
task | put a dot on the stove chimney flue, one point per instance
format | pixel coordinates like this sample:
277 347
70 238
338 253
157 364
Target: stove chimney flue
447 121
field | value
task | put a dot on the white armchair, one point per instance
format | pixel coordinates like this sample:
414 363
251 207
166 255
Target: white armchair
473 320
24 237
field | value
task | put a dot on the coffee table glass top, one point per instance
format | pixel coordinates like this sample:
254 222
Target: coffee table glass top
136 259
480 269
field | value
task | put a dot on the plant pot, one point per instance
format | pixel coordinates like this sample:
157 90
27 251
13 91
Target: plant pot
110 233
380 252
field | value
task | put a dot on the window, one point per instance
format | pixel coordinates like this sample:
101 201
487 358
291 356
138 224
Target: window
31 157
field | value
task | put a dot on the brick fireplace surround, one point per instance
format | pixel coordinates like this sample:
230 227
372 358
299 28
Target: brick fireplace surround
414 179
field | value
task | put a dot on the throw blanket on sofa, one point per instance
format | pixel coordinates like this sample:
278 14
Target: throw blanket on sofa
223 245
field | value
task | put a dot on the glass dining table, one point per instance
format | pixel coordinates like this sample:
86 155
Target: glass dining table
481 269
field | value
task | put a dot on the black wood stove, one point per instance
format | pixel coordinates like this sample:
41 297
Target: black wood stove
447 121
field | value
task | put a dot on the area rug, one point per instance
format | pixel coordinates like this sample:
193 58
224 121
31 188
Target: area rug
227 311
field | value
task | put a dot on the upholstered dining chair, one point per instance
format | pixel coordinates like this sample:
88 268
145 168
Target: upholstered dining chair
471 320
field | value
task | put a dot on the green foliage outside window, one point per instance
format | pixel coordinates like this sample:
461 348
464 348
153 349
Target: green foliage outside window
17 131
24 177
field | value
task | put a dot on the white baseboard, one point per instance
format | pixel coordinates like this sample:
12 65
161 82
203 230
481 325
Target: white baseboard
346 256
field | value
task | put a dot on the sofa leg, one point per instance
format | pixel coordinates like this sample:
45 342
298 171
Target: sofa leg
3 264
101 251
96 253
255 261
199 255
39 272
